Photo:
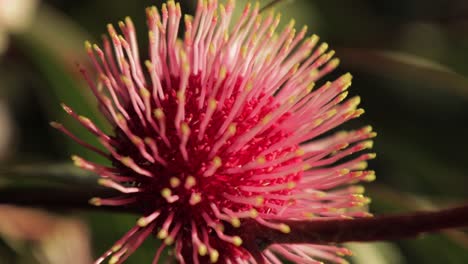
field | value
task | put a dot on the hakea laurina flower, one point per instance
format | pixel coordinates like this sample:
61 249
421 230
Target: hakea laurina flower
222 126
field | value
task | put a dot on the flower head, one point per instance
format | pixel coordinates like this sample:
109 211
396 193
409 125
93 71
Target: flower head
222 126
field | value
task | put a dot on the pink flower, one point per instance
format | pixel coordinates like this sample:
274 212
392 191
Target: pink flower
222 126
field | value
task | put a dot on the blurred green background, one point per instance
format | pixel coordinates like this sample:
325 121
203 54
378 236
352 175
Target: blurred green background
409 59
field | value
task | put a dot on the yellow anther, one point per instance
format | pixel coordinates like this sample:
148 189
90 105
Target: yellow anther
370 177
266 119
185 129
259 200
249 86
368 144
222 72
291 185
323 47
87 45
285 228
142 222
306 167
169 240
166 193
361 165
237 241
212 103
162 234
158 113
114 259
116 247
190 182
253 213
309 215
358 189
235 222
217 162
95 201
214 255
103 182
310 87
202 250
318 122
291 23
344 171
261 160
127 161
174 182
300 152
232 129
195 198
180 96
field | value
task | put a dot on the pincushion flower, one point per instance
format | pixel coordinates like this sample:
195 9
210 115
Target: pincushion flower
222 126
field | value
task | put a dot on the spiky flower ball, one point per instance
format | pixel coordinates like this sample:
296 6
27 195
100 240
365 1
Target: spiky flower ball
221 126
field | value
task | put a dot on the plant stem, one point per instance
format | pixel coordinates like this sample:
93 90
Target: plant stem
390 227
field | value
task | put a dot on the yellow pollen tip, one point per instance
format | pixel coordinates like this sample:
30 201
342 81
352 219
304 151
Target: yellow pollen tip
116 247
306 167
217 162
202 250
55 124
323 47
291 185
114 260
214 255
232 129
222 72
285 228
174 182
314 39
235 222
300 152
142 222
259 200
168 241
103 182
190 182
84 119
370 177
237 241
195 198
261 160
166 192
253 213
371 155
361 165
162 234
144 93
310 87
158 113
148 64
368 144
318 122
185 129
212 103
266 119
309 215
126 161
180 96
87 45
95 201
358 189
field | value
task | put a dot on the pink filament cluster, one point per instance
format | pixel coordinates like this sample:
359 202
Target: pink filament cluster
221 126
